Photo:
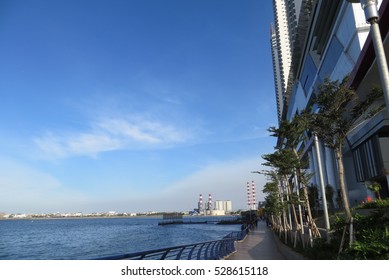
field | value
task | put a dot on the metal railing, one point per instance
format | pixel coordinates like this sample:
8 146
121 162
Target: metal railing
210 250
239 235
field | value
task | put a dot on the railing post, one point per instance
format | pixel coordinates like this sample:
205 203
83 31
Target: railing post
180 253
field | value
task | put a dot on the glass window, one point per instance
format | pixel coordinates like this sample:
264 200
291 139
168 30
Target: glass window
367 160
332 56
308 73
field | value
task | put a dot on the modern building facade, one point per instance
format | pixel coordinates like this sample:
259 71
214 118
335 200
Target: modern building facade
281 49
331 41
277 73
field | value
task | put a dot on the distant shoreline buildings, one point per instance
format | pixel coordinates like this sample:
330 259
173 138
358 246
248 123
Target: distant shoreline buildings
220 208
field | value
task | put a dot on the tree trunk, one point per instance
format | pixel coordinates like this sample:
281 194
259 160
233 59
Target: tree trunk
308 206
342 185
295 218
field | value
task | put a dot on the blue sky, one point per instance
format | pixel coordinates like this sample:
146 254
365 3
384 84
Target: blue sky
132 105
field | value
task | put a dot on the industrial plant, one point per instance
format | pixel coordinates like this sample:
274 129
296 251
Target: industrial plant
224 207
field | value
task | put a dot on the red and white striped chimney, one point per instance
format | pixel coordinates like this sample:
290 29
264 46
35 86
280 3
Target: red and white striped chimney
248 196
254 195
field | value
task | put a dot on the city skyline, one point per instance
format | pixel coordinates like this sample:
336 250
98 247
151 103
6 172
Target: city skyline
130 104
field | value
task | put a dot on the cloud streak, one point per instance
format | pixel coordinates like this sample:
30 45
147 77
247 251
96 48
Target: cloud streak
110 134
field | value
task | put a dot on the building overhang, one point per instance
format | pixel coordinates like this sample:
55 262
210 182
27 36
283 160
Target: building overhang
365 77
366 58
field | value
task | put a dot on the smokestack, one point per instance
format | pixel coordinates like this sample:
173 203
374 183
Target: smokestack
248 196
210 202
254 195
200 206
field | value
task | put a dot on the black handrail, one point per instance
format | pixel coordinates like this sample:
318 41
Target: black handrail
209 250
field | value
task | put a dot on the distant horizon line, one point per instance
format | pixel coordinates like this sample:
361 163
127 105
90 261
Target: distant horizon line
109 213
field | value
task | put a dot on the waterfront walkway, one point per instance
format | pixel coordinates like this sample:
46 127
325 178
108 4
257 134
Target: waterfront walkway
262 244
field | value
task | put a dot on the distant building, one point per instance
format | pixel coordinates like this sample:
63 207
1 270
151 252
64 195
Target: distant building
216 212
225 205
284 36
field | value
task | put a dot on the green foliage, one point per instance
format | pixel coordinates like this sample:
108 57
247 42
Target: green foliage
374 95
291 133
321 250
372 237
331 124
272 199
339 108
284 160
294 199
270 187
384 203
374 187
313 195
371 233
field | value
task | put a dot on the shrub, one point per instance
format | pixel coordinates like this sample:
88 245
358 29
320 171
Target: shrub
374 204
371 237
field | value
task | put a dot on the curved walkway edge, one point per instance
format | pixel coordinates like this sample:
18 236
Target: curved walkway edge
263 244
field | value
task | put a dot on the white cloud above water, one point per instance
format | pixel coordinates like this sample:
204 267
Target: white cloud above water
110 134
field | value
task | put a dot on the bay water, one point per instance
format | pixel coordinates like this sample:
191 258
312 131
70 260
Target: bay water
89 238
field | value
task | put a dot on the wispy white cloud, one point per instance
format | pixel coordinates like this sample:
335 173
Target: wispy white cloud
143 130
109 134
65 145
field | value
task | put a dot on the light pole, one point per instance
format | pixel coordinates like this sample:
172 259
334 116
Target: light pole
322 187
371 14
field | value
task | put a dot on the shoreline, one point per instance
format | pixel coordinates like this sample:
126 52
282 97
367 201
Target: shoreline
157 216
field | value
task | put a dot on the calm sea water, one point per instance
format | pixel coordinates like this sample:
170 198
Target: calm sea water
92 238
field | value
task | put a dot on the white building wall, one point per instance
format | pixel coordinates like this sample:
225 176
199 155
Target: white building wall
225 205
277 73
228 206
283 47
219 205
